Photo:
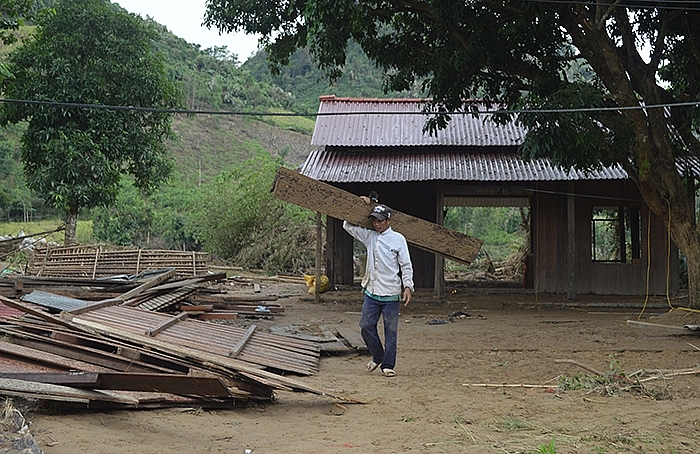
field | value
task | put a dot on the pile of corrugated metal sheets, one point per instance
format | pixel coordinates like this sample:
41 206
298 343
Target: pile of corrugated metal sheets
96 261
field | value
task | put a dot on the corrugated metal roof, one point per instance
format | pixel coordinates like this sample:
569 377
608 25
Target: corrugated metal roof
382 140
360 166
399 122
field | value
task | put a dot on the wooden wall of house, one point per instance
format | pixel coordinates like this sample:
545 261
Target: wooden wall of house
548 267
550 242
414 198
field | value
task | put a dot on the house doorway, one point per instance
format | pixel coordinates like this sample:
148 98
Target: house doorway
504 226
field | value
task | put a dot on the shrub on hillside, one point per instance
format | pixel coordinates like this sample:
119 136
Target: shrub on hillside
238 219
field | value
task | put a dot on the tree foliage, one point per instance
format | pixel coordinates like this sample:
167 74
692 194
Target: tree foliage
88 53
13 13
519 55
305 82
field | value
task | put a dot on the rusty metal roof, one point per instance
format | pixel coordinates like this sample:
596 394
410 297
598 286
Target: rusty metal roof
399 122
364 165
382 140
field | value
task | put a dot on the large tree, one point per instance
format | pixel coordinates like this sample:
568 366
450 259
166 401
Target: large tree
528 55
86 52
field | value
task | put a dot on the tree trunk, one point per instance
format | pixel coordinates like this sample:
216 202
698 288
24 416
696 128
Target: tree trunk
71 226
670 202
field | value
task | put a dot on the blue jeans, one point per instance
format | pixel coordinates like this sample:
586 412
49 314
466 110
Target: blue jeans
389 311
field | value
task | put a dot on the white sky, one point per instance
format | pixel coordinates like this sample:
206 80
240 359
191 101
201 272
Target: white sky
184 19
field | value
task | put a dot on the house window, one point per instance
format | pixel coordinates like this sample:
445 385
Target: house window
615 234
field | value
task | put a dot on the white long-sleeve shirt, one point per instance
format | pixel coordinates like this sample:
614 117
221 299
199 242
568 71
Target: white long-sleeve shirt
387 256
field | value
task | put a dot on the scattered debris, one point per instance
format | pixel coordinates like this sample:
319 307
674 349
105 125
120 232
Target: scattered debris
671 329
451 318
332 339
75 334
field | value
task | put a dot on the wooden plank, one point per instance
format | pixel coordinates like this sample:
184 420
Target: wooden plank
160 383
107 360
668 328
306 192
47 391
166 324
217 315
200 308
241 343
232 297
148 284
41 357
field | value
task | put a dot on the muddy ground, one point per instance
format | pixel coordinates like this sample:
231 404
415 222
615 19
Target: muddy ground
484 381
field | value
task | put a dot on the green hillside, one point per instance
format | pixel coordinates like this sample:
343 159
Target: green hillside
306 83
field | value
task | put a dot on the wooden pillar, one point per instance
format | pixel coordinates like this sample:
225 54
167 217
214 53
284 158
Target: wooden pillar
319 250
439 287
571 230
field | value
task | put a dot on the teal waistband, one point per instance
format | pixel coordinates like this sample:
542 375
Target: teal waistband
383 298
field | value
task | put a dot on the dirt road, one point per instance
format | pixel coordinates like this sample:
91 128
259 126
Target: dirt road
448 396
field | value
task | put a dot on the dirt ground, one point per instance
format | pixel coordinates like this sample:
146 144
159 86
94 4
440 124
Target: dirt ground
484 382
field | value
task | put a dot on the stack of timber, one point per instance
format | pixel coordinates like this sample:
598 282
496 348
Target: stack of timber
293 187
157 290
82 288
110 355
95 261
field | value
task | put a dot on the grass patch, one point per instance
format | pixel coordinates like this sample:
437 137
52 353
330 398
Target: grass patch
303 125
549 448
83 231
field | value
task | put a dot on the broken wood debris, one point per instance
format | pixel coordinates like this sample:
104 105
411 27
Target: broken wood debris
332 339
124 349
119 349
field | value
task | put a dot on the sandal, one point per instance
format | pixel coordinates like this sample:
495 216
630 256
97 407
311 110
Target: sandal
388 372
371 365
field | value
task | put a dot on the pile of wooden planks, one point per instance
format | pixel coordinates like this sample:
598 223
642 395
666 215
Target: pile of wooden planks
95 261
131 344
119 356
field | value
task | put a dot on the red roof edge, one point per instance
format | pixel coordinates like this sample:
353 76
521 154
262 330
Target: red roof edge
328 98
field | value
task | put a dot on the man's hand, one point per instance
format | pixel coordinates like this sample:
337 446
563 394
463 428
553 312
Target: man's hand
407 295
365 199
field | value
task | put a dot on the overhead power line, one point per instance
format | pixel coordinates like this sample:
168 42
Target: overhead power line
632 4
323 114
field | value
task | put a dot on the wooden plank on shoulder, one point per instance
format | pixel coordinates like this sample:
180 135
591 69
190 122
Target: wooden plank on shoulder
293 187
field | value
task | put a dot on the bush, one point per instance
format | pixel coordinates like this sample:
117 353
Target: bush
238 219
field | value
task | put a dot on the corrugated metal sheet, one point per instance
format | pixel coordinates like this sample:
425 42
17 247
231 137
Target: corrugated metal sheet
262 349
399 122
370 166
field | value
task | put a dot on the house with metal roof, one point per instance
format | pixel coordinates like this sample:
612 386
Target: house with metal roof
365 145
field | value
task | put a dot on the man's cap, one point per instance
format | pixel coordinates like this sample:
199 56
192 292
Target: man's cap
380 212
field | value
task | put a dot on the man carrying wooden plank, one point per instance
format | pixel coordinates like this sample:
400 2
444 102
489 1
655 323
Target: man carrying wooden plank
388 279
